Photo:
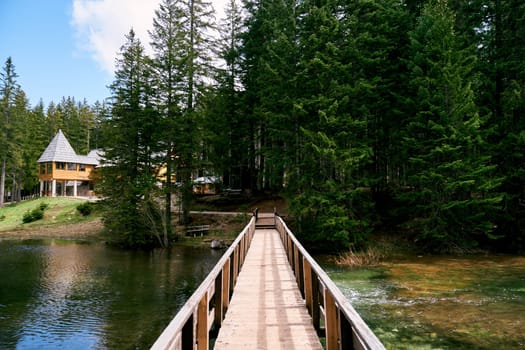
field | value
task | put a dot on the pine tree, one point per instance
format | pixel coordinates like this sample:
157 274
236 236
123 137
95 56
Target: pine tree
269 71
182 45
128 177
228 126
8 91
20 115
35 141
333 146
501 46
452 199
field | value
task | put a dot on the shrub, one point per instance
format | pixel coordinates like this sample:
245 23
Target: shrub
43 206
370 256
33 215
85 208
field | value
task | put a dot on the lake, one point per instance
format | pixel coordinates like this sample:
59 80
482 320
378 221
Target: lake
440 302
74 295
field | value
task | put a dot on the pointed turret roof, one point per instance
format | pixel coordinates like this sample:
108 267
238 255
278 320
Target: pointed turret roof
60 150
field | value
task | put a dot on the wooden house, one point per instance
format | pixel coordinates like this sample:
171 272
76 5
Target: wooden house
64 173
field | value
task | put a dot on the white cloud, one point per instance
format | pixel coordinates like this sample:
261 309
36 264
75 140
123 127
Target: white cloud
100 25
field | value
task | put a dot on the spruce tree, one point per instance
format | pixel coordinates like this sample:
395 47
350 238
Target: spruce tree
227 136
269 71
452 198
182 44
128 173
501 47
8 90
326 197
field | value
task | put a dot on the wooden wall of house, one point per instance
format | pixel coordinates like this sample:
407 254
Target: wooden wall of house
65 174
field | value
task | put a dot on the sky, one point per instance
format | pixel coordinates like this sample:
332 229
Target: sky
68 47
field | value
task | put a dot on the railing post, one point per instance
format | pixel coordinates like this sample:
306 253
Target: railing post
307 280
225 287
346 332
298 269
235 265
202 324
218 298
331 321
187 334
316 319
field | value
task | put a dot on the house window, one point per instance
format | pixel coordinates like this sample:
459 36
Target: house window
72 166
60 165
49 168
42 168
82 167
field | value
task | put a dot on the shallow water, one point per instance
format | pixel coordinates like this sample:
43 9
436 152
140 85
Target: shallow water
70 295
440 302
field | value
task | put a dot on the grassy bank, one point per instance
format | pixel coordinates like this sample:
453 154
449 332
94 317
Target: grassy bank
59 211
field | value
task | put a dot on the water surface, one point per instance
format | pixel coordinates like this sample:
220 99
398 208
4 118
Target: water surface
440 302
71 295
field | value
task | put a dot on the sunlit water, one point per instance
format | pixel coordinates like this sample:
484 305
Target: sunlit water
69 295
440 302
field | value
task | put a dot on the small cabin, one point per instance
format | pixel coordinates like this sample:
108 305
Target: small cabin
64 173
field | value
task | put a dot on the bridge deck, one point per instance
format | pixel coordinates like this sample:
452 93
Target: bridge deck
266 310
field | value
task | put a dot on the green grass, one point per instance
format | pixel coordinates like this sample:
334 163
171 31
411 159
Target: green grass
60 210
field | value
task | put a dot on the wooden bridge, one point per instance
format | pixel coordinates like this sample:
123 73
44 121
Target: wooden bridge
267 292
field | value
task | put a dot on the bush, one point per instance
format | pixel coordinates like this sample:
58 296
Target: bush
85 208
43 206
33 215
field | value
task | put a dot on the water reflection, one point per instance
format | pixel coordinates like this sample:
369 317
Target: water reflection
62 294
441 302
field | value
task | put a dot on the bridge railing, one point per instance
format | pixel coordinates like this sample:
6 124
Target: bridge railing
332 314
205 309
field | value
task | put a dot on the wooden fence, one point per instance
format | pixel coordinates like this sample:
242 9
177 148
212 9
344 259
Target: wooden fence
332 314
205 309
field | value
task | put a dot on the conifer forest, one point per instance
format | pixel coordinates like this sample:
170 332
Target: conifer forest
404 117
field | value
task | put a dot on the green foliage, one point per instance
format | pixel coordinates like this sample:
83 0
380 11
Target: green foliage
33 215
129 180
333 219
453 183
85 208
409 114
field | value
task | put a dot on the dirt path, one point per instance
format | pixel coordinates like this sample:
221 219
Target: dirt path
82 230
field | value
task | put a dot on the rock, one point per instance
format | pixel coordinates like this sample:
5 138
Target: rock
217 244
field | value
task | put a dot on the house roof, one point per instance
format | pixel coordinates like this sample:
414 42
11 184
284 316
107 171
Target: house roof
60 150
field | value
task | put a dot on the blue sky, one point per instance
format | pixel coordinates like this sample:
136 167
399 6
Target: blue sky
68 47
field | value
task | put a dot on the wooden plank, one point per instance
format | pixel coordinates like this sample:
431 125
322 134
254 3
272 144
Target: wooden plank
235 265
225 287
202 324
308 296
266 310
331 322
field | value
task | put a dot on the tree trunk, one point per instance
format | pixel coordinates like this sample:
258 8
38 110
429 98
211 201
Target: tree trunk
2 183
169 187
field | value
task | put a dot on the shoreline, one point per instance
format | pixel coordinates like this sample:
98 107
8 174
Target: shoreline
84 230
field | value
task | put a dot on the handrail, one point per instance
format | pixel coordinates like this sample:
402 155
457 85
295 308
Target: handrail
206 308
343 327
